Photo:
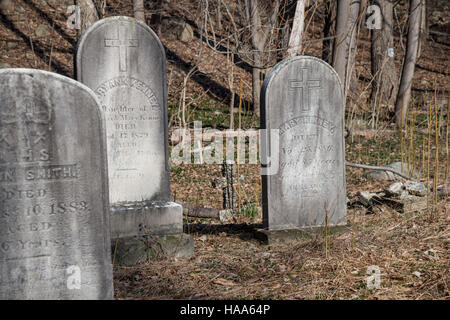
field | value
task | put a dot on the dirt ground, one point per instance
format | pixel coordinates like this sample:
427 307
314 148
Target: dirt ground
410 250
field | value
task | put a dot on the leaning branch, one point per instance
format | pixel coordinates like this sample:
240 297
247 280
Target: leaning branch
364 166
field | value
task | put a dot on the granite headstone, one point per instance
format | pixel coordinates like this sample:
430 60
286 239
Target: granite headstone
124 62
54 219
302 98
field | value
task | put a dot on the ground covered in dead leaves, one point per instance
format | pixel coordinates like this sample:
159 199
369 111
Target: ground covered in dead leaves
410 250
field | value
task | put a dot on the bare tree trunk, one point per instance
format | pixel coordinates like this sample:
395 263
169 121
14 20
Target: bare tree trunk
345 42
258 42
139 11
89 14
404 92
256 87
259 36
383 68
423 28
101 8
219 15
327 48
295 40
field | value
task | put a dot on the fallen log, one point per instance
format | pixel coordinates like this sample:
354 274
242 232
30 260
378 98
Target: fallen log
212 213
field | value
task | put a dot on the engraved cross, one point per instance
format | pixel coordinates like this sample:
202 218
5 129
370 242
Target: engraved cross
306 87
4 138
123 44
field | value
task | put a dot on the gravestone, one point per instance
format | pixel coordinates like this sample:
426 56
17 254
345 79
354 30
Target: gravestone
54 234
124 62
302 98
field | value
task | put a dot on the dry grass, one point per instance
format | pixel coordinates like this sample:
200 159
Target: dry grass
228 264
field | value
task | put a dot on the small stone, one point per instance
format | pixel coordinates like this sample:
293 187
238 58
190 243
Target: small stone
225 215
407 203
431 253
395 190
42 31
11 44
416 188
6 5
365 198
187 34
417 274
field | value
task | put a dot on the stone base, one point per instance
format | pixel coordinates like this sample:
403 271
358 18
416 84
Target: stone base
139 249
135 219
141 231
291 235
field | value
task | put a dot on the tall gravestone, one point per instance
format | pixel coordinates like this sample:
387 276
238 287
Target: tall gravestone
124 62
54 234
302 102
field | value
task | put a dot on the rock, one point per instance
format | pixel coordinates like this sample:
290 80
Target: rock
178 28
42 31
416 188
387 175
4 65
395 190
365 198
431 253
226 215
187 34
140 249
407 204
6 5
11 44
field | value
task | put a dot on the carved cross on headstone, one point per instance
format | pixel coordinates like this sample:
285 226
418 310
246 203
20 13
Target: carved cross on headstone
306 86
123 44
30 115
4 137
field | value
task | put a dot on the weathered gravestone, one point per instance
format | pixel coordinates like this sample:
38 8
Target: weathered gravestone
54 234
302 98
123 61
